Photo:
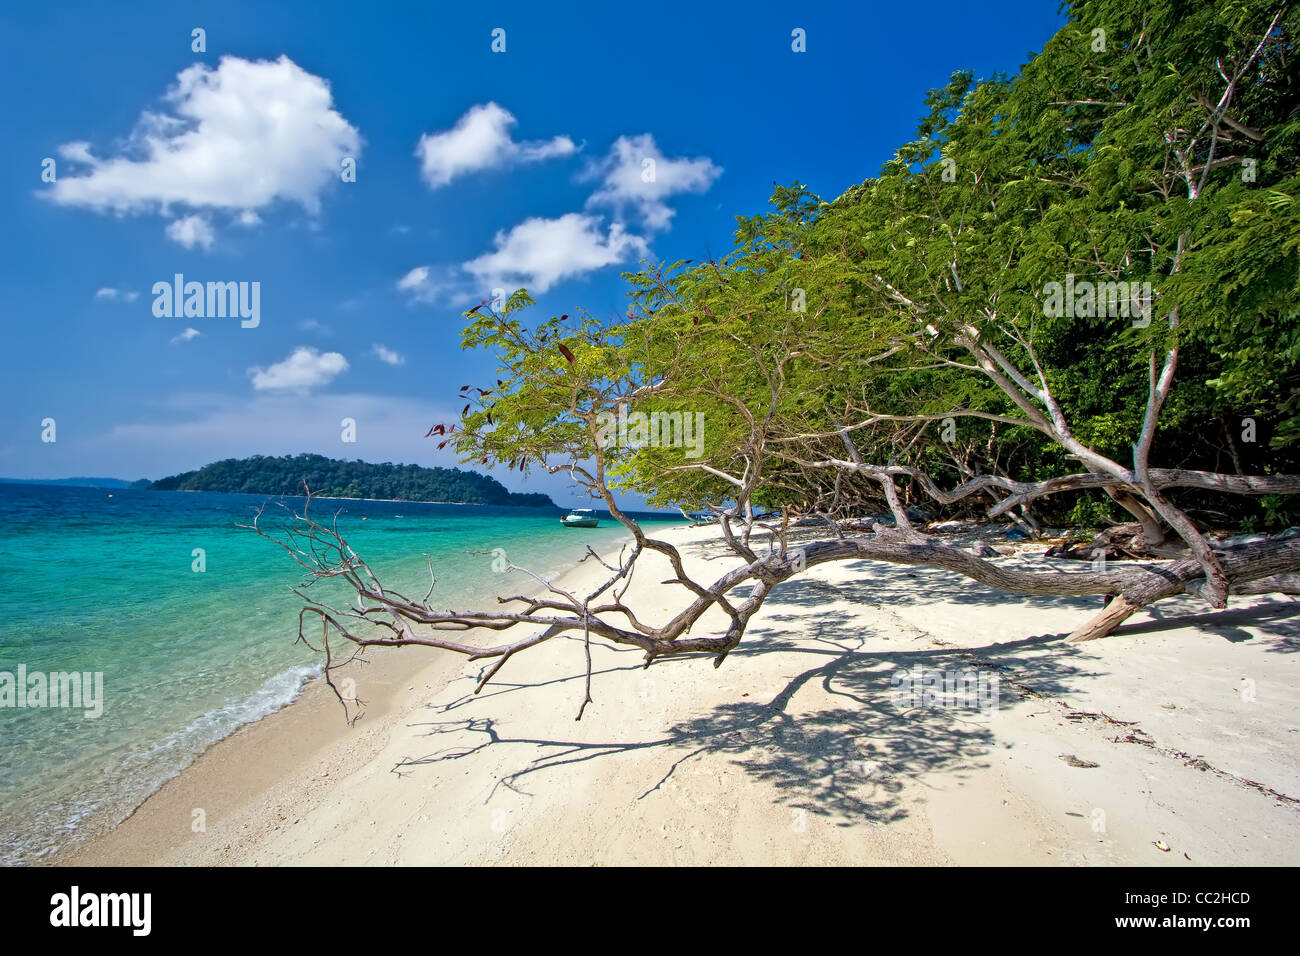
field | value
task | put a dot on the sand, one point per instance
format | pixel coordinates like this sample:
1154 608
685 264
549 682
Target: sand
1173 742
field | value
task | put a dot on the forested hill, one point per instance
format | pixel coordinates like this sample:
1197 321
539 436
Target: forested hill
348 479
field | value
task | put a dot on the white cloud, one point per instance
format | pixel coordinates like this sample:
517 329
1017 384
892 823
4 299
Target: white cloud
413 281
419 284
191 231
387 355
538 253
448 284
305 368
186 336
78 152
239 137
637 175
311 325
111 294
248 219
634 177
481 140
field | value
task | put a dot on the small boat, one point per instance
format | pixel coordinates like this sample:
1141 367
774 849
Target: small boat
580 518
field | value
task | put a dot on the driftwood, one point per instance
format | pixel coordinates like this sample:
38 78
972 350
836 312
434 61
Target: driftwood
383 617
823 455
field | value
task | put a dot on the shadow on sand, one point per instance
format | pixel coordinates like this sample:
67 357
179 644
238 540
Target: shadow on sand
848 755
850 746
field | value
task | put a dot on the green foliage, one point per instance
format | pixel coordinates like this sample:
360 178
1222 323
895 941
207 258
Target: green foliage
348 479
1099 161
1091 513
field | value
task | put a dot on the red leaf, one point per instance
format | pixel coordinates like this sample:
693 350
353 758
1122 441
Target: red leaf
464 388
566 353
442 444
464 411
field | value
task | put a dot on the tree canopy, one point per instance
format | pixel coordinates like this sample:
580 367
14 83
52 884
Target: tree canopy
1071 298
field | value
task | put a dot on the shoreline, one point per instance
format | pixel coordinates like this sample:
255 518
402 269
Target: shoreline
262 756
253 761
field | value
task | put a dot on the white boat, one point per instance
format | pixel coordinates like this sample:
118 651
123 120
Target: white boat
580 518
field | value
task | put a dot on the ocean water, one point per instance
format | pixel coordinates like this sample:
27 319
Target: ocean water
103 581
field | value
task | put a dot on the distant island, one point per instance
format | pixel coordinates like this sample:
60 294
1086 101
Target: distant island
334 478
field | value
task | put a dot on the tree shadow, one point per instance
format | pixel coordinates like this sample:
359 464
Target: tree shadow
1278 620
915 586
845 750
879 587
838 740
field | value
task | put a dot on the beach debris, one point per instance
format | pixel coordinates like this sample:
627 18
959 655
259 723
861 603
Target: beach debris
1100 715
1136 735
1161 845
1074 761
981 549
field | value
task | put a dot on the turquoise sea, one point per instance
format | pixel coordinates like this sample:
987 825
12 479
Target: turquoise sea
103 580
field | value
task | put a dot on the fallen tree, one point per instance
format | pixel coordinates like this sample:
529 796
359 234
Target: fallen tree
907 347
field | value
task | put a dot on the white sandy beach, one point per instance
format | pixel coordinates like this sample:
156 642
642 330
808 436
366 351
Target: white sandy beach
1173 742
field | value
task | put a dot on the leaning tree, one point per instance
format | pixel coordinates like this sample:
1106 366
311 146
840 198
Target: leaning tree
1073 286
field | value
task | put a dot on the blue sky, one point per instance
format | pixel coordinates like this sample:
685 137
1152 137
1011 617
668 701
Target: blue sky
474 170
